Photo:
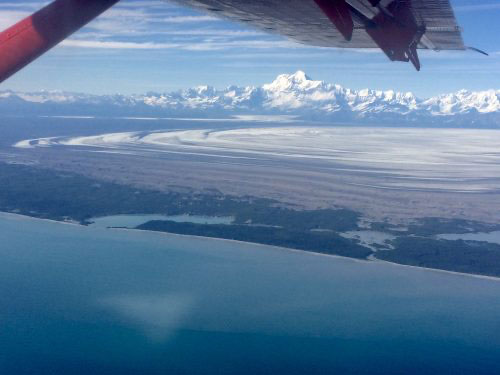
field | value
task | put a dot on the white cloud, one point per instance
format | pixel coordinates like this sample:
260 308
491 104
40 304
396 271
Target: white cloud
476 7
183 19
189 46
116 45
10 17
159 316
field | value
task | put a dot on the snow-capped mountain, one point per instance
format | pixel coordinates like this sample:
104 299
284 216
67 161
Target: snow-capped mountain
289 94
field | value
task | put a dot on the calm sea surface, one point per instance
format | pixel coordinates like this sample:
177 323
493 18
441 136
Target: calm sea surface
76 300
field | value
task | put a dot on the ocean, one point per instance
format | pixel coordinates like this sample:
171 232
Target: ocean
90 300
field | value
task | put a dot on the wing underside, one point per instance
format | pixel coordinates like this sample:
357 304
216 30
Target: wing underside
304 21
398 27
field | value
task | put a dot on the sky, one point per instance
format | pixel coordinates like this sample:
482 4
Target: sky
143 46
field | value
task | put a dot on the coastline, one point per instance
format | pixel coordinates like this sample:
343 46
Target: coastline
366 261
27 217
10 215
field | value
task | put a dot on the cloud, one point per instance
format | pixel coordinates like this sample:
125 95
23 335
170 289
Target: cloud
115 45
476 7
10 17
184 19
32 5
159 316
187 46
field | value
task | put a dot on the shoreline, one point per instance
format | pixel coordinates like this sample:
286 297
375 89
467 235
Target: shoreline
313 253
27 217
288 249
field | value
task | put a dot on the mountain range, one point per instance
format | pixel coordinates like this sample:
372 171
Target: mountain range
295 95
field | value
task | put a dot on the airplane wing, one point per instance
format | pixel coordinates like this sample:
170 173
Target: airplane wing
397 27
33 36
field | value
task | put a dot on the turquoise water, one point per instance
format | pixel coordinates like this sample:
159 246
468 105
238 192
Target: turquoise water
492 237
80 300
132 221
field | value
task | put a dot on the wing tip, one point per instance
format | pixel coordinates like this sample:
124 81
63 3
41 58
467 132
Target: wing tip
477 50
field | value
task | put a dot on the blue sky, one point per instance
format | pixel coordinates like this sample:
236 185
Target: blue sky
148 45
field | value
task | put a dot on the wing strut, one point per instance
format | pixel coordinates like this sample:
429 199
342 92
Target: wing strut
390 23
339 14
36 34
398 35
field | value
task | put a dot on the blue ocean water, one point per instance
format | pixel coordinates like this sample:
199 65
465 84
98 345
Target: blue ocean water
88 300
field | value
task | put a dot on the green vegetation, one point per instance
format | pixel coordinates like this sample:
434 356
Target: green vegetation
320 242
48 194
340 220
431 226
461 256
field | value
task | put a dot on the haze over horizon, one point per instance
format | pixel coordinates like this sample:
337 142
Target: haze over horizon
142 46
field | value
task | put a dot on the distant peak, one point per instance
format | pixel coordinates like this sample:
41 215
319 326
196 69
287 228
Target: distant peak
299 76
296 81
205 90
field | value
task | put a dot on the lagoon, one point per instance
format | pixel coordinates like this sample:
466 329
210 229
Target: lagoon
132 221
81 300
491 237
